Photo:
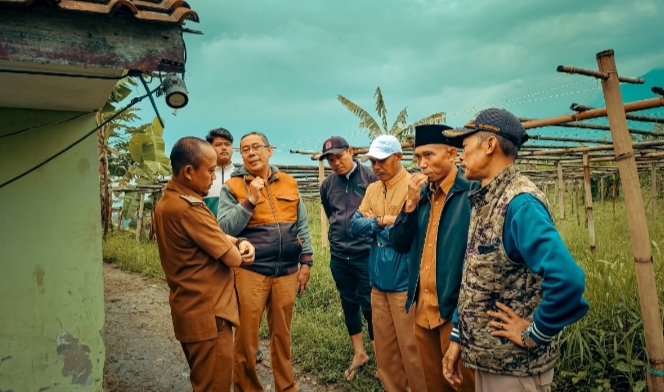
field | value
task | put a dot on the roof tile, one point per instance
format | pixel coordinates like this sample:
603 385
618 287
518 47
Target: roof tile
167 11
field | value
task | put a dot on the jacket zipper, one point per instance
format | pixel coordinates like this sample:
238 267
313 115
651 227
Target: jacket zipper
276 219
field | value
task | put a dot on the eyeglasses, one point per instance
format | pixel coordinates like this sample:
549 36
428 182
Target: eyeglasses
255 148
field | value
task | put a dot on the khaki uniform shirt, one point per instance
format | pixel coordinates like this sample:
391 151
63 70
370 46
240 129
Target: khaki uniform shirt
190 248
427 312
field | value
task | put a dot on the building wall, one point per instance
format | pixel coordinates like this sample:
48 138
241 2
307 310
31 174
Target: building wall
51 282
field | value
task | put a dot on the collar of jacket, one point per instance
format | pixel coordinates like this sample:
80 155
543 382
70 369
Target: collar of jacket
174 186
399 177
243 172
461 183
479 198
352 173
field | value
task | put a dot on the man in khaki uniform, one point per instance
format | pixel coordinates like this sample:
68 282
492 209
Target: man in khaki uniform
197 258
397 359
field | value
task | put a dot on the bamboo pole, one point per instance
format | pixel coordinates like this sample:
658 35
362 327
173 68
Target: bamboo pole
556 184
575 202
632 117
614 195
597 74
601 190
653 191
636 218
139 221
589 203
598 127
561 193
595 113
323 217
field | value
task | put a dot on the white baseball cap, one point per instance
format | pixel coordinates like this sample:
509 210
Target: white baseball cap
383 146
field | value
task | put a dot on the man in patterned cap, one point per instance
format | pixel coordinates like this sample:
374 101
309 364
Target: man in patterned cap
520 285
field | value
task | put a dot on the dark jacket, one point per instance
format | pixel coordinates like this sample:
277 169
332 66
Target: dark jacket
340 201
409 233
276 226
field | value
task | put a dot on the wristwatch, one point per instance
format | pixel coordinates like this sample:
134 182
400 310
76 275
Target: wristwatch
309 263
527 341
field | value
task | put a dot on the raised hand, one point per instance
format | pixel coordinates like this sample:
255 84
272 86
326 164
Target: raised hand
415 184
255 189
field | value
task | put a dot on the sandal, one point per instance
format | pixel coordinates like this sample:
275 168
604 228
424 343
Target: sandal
351 372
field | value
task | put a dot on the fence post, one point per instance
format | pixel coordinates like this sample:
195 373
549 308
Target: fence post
139 221
636 218
323 217
561 194
589 203
653 191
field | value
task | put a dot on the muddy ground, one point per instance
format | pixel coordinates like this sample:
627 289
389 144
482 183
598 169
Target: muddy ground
141 351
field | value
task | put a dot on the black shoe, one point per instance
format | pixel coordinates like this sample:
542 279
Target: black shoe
259 356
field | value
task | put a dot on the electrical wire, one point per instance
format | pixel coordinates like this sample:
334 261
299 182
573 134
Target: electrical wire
44 125
52 157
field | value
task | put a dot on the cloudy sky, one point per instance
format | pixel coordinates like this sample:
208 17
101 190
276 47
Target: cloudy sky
277 66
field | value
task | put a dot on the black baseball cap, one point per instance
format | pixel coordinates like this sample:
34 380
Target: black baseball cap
333 145
499 121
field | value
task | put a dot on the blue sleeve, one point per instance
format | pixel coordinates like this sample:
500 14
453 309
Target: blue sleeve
530 236
364 227
455 327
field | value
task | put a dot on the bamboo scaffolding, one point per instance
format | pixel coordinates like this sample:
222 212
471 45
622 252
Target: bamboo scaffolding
561 193
653 191
597 74
588 203
595 113
139 221
636 217
597 127
632 117
323 217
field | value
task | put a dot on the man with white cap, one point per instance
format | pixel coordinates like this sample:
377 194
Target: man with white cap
399 367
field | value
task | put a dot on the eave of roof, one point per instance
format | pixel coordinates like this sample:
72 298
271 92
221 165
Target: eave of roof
165 11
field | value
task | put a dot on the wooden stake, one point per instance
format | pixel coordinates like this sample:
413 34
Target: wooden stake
653 191
323 217
614 195
636 218
139 221
601 190
575 202
589 203
561 193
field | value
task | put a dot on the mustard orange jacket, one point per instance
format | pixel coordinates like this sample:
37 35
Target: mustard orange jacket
277 225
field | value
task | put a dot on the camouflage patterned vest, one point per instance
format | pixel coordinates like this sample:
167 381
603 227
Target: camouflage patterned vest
489 276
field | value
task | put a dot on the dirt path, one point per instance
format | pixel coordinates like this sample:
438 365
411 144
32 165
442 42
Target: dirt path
141 351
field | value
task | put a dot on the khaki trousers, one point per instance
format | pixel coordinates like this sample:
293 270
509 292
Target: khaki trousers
489 382
399 367
432 344
210 360
256 293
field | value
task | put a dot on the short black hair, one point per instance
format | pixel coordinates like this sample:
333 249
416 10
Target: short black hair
219 132
263 137
187 151
508 147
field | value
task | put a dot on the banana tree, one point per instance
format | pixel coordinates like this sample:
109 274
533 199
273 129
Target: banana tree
400 128
147 150
121 91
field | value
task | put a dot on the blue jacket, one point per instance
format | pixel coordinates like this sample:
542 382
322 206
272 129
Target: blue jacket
388 270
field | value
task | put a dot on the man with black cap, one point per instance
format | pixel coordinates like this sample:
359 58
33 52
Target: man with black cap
433 227
341 194
520 285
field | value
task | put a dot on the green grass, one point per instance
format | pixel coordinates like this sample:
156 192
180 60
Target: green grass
603 351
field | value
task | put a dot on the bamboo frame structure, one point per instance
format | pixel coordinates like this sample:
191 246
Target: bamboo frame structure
588 197
636 218
323 217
